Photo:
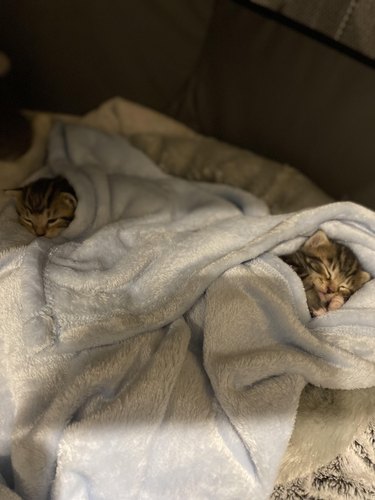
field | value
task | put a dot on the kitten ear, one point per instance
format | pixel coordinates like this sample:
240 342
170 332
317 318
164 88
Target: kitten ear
364 277
316 240
14 193
68 200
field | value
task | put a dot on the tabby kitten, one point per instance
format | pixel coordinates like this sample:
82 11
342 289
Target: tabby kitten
330 272
46 206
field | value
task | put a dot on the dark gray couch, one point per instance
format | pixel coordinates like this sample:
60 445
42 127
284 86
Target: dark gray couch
226 69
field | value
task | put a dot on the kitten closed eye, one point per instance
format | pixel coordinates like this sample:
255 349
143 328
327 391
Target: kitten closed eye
46 206
330 272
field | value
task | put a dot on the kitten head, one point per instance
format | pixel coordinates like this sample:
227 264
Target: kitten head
45 207
332 269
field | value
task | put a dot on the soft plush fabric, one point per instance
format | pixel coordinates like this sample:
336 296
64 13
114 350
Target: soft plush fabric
348 476
159 348
280 186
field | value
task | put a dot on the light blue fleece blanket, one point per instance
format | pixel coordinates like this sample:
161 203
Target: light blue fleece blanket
158 349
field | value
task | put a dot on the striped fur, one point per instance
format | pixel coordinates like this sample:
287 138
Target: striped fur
330 272
46 206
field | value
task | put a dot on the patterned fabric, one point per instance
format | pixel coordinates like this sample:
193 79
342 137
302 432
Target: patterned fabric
350 22
349 476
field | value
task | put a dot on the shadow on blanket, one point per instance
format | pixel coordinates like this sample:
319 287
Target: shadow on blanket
161 346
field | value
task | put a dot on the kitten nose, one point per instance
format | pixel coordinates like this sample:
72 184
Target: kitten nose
331 289
40 232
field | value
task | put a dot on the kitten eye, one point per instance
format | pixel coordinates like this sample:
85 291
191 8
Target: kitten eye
51 221
316 265
28 221
345 291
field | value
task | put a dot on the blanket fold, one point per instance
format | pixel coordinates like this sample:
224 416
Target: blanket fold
159 347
